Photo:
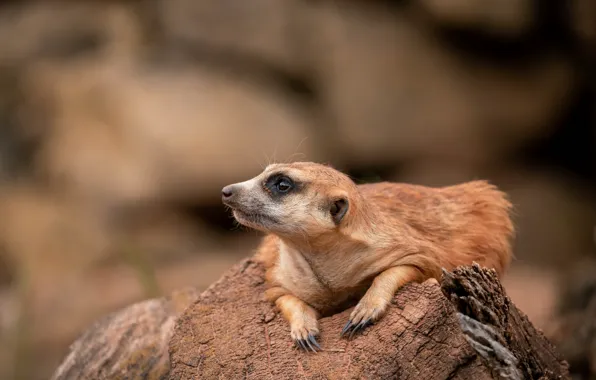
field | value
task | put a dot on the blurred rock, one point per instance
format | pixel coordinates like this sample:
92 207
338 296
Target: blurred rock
578 288
63 30
13 153
554 218
573 328
512 18
162 233
395 92
534 291
583 25
50 31
48 237
265 31
436 172
142 132
9 313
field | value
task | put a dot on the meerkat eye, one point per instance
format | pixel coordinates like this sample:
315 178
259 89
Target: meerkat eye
338 210
279 184
283 185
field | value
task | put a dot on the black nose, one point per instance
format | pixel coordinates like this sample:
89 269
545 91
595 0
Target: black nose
227 192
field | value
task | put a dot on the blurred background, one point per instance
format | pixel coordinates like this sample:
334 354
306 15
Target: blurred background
120 121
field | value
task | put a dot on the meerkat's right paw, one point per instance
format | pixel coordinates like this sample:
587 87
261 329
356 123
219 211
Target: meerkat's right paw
304 330
304 326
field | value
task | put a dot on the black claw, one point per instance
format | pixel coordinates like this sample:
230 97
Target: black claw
304 345
313 340
300 344
346 328
310 345
353 329
358 328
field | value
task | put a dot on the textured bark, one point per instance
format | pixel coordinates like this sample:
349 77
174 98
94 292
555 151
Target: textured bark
128 344
232 333
501 334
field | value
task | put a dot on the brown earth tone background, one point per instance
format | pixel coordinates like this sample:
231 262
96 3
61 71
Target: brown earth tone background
120 121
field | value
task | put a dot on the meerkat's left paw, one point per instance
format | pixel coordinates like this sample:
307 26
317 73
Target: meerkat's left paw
369 310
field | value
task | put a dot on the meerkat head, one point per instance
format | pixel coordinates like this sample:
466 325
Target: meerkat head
298 199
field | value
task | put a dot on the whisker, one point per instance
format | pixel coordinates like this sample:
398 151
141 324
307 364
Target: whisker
296 150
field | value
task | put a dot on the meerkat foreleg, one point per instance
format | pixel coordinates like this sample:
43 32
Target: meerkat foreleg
378 297
303 319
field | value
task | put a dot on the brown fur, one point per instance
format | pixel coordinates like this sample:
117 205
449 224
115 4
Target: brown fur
392 234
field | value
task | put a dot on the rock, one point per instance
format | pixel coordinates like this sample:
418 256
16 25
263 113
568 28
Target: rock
513 18
57 30
534 290
16 143
50 238
573 326
435 172
396 92
262 31
583 25
131 343
554 217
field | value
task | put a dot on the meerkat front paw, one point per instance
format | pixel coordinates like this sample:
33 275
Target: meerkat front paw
378 297
304 332
368 311
302 318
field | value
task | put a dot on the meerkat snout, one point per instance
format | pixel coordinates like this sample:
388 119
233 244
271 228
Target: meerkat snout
227 193
236 196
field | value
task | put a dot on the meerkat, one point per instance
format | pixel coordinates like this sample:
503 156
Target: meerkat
331 244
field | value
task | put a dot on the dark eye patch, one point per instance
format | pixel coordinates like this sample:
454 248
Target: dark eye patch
279 184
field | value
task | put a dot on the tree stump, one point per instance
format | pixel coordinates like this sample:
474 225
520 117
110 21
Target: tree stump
465 328
231 332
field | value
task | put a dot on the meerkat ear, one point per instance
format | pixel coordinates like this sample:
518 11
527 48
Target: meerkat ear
338 209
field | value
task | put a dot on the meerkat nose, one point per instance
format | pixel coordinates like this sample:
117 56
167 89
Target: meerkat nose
227 192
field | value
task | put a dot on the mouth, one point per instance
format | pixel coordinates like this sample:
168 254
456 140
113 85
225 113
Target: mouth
252 219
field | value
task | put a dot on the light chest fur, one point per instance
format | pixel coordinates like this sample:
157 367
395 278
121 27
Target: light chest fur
324 280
